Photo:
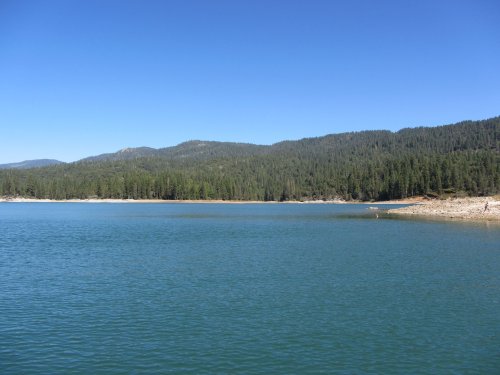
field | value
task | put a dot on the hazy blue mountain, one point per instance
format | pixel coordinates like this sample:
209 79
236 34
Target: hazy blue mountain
27 164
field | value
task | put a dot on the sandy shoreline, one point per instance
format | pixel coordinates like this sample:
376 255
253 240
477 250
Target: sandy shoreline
214 201
478 208
140 201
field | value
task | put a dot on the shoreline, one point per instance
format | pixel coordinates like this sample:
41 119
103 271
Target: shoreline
465 209
415 200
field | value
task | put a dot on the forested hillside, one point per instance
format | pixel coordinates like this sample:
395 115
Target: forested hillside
461 158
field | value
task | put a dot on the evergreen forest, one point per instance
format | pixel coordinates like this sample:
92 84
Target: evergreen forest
457 159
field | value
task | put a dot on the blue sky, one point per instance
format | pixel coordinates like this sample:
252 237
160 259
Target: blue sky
80 78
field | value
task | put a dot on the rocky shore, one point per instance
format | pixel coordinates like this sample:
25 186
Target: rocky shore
480 208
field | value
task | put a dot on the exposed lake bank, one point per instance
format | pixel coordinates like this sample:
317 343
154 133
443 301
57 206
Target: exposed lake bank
477 208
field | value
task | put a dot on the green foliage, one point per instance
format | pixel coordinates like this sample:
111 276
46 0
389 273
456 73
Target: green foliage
367 165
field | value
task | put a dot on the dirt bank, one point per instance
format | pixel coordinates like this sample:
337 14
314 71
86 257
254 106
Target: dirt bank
481 208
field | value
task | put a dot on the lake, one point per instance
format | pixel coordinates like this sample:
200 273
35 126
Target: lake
244 288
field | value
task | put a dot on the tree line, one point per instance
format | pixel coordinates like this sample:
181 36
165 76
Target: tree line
370 165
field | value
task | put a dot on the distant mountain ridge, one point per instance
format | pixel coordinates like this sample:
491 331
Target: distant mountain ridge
27 164
200 150
451 138
123 154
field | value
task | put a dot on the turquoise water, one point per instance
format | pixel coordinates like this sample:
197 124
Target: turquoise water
251 289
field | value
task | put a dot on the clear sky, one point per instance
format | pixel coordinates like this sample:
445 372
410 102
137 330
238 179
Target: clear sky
79 78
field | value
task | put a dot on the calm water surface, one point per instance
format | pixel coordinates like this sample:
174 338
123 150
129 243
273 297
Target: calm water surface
251 289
